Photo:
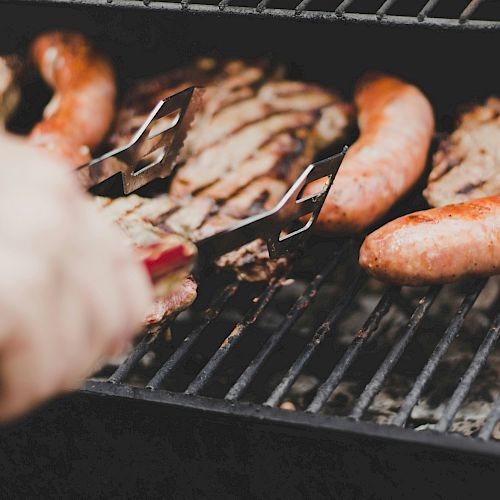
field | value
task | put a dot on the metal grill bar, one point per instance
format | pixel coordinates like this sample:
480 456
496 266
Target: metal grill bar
470 375
427 9
292 13
262 5
235 336
431 365
302 6
384 8
136 355
469 10
212 312
392 358
279 392
223 4
371 325
290 319
340 10
491 422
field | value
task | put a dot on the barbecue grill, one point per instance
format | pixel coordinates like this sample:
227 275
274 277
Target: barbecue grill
320 383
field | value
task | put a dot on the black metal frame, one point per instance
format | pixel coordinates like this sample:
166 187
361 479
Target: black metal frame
341 13
298 419
232 403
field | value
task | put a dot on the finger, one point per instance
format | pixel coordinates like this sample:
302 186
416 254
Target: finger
30 364
130 282
28 375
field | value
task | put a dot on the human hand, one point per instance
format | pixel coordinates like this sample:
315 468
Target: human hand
71 289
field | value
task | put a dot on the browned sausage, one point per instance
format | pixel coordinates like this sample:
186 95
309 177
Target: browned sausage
82 108
396 124
440 245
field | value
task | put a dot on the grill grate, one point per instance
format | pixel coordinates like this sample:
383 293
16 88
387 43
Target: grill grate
431 365
290 319
392 358
208 360
460 14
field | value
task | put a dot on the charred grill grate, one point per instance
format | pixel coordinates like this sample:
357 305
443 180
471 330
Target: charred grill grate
460 14
323 323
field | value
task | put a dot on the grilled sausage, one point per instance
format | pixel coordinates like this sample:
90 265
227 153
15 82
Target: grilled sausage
440 245
396 124
82 108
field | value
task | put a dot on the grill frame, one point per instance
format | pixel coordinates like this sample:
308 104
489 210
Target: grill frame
341 14
302 420
232 406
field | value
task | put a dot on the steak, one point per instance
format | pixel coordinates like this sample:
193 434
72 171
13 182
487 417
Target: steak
467 163
251 262
137 217
252 137
168 305
226 83
215 162
10 93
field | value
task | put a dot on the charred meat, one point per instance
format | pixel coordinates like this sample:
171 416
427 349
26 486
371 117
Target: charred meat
10 94
254 135
467 163
168 256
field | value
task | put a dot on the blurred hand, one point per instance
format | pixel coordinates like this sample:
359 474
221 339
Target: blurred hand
71 289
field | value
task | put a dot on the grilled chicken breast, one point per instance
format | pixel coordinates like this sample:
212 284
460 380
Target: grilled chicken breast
10 94
467 163
254 135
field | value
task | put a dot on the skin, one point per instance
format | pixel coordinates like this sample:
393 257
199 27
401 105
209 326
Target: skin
82 109
436 246
65 301
396 124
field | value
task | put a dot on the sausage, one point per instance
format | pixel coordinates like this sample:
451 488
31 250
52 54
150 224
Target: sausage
396 124
82 108
440 245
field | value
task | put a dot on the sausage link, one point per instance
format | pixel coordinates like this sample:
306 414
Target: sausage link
396 124
81 111
440 245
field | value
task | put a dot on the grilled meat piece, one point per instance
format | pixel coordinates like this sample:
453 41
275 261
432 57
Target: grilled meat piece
279 107
282 157
174 302
251 262
10 94
168 256
213 163
227 83
190 217
253 136
467 163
